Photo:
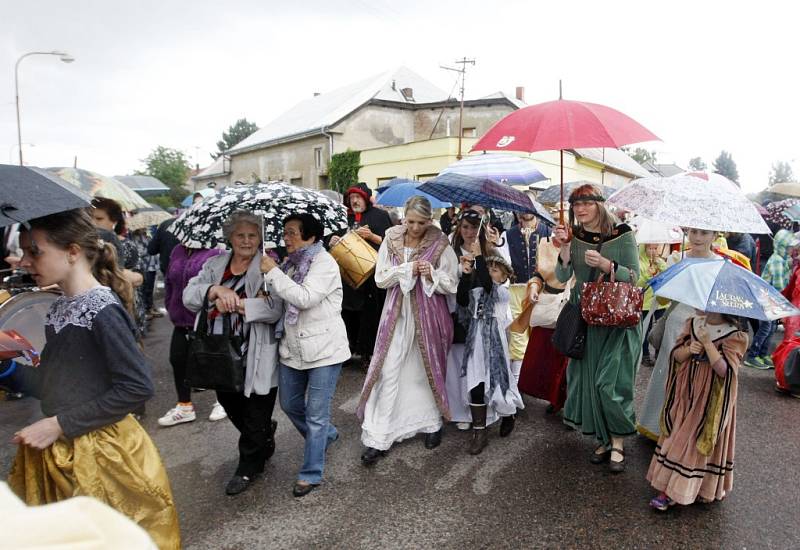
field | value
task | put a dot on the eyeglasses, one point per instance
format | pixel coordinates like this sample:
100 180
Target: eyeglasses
291 233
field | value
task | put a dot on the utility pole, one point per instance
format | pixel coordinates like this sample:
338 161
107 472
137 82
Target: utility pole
462 71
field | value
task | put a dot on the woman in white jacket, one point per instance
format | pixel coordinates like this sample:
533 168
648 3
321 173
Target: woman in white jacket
313 339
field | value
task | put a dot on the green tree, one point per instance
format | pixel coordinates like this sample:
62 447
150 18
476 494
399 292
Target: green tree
641 155
343 170
171 167
697 164
235 134
781 173
726 166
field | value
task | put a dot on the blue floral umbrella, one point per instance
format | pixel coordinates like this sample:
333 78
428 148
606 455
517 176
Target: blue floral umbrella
201 225
722 287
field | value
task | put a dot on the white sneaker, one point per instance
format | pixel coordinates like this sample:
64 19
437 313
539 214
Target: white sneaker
217 412
177 415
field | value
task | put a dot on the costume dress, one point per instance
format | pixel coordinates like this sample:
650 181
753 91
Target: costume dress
404 392
91 376
648 422
600 386
694 457
486 355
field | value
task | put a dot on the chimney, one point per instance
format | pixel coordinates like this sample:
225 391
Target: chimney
394 85
520 93
408 93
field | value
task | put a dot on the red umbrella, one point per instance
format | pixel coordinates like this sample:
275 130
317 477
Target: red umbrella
563 124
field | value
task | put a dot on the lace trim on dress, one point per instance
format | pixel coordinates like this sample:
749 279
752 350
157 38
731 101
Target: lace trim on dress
81 309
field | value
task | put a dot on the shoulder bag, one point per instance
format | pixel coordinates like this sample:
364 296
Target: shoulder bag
611 303
215 361
569 337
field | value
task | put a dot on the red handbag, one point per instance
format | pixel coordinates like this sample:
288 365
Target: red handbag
611 303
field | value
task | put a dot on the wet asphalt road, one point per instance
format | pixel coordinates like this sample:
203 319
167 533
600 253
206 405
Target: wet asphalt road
535 489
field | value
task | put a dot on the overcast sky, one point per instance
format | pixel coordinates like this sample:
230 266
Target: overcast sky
702 75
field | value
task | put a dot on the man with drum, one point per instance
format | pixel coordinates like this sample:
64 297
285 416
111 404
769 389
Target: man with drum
361 307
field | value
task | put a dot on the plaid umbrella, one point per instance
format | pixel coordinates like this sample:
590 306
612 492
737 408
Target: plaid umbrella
485 192
98 185
502 168
780 213
201 225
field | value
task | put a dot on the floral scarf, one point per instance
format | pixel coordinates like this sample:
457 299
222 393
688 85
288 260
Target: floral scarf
301 261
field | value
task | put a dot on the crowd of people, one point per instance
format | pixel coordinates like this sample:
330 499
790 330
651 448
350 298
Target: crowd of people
455 324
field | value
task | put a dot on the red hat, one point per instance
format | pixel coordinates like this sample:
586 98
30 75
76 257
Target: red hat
360 191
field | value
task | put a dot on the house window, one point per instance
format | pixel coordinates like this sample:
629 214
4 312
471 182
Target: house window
297 181
381 181
468 132
318 157
425 177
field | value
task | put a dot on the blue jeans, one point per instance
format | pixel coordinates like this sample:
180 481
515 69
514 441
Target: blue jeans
312 415
760 345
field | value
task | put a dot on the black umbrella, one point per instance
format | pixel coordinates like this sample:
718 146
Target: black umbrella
27 193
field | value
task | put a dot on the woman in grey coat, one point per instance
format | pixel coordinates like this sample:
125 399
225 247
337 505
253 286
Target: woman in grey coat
233 282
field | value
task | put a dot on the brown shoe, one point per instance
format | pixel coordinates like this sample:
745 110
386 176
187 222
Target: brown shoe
613 466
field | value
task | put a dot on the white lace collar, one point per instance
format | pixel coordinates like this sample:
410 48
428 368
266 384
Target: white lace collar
81 309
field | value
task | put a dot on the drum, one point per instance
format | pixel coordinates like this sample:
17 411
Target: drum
356 259
26 313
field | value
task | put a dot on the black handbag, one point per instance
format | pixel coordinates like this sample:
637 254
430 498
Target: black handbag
215 361
569 337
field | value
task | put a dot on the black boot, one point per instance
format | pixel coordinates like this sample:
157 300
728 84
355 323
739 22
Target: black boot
370 456
432 440
507 425
479 436
271 441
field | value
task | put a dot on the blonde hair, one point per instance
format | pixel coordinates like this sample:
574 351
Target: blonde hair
419 205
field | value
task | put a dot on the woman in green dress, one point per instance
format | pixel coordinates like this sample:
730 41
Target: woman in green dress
600 386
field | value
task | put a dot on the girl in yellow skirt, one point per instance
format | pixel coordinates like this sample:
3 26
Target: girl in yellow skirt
91 376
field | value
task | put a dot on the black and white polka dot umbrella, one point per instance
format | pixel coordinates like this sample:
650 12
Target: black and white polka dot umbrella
201 226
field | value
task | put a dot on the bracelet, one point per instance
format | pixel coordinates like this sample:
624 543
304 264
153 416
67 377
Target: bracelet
10 370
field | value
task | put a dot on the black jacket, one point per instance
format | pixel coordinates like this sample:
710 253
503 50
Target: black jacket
162 244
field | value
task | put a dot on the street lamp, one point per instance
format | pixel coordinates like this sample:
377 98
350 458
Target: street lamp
65 57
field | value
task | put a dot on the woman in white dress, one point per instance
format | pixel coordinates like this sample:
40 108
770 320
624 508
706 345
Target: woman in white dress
404 392
675 318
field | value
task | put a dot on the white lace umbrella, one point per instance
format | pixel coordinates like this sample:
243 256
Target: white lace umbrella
653 232
688 201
